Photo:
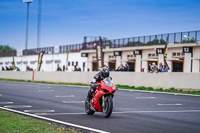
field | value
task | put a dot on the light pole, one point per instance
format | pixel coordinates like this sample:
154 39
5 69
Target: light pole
27 17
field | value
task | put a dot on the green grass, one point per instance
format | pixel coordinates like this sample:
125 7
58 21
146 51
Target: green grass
173 90
15 123
44 82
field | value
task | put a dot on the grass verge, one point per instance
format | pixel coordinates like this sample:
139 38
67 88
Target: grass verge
15 123
173 90
44 82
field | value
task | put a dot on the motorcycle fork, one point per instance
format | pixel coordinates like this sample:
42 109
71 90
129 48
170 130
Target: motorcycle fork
103 101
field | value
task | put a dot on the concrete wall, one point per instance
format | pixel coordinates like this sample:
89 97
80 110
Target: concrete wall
158 80
16 75
155 80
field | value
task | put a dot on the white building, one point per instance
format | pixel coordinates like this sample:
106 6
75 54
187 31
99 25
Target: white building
183 54
49 61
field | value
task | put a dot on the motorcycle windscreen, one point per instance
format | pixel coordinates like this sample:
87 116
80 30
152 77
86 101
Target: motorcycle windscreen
108 82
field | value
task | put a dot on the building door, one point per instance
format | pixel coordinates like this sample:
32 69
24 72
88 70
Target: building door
94 66
112 66
131 66
177 66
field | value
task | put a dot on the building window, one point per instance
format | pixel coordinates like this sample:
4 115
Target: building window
174 54
178 54
32 62
77 63
68 63
152 55
111 56
1 63
94 57
57 61
25 62
72 63
48 62
19 62
131 56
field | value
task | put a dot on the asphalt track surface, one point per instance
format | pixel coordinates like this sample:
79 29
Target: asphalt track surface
134 111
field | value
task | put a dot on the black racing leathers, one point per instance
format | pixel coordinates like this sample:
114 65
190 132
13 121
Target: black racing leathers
97 78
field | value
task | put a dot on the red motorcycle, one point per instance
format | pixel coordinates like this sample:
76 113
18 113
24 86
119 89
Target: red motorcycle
102 98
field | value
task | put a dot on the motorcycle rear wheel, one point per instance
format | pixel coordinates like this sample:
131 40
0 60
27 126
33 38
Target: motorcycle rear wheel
107 110
87 108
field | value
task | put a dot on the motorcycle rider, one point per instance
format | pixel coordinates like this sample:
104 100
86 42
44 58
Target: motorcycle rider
104 73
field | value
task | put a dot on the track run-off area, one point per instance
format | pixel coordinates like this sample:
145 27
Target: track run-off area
133 112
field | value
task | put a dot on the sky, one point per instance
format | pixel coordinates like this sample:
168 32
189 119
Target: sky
66 22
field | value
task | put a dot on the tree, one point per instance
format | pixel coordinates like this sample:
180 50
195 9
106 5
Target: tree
6 48
189 40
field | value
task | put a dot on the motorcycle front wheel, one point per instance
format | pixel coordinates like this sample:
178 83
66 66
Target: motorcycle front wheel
108 107
87 108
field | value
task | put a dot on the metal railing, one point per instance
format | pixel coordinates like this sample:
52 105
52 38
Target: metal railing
71 48
159 39
36 51
9 53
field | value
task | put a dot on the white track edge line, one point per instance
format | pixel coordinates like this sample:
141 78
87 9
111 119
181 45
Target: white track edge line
57 121
127 112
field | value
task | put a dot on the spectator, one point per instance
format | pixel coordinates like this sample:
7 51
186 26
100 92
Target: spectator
108 68
7 69
17 68
58 68
75 68
11 68
126 68
120 68
160 67
165 69
28 68
149 68
154 68
78 69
